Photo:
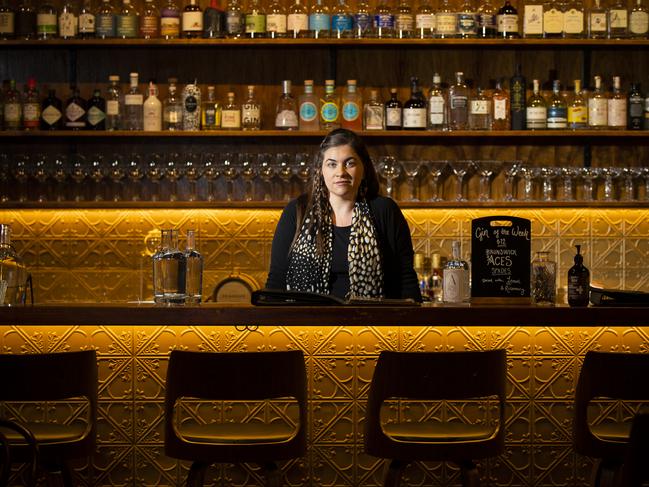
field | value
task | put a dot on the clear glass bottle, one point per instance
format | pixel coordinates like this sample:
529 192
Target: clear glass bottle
319 20
533 19
87 20
597 21
97 111
487 20
455 285
194 275
383 24
577 109
638 21
114 104
251 111
150 22
362 20
393 111
552 19
152 110
169 270
105 20
68 21
191 100
13 273
235 20
404 21
13 109
330 107
373 114
598 107
46 20
480 111
255 20
618 20
231 114
507 21
127 21
458 99
170 20
636 106
342 22
214 21
51 112
573 19
352 103
437 105
617 107
414 109
286 113
309 108
211 111
31 106
172 108
75 111
467 25
536 109
445 21
425 20
544 280
191 21
133 105
557 108
276 20
500 108
297 20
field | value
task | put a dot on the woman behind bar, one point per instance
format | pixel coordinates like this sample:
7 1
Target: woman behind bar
341 237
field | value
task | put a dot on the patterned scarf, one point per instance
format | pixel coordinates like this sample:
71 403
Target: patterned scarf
308 271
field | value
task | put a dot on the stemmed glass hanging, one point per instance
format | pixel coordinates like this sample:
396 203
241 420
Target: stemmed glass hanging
285 172
5 172
248 173
135 173
154 173
629 176
98 171
412 169
230 171
267 171
117 173
461 169
610 174
567 175
303 166
79 173
192 170
435 169
173 172
390 169
41 173
487 170
511 170
60 173
588 175
211 172
21 175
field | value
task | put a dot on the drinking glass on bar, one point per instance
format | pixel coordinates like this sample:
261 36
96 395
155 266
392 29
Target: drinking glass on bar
211 172
230 170
610 174
248 173
460 170
79 173
412 169
154 173
390 169
285 172
192 171
511 169
435 169
567 175
588 175
487 170
135 173
267 171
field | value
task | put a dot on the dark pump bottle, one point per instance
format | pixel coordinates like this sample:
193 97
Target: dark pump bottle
578 281
518 100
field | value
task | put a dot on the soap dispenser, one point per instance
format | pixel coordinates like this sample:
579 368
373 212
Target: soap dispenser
578 281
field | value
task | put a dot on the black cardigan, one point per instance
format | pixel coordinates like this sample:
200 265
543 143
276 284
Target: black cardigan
399 277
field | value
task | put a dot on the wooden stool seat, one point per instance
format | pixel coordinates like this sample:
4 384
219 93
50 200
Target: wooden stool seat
616 432
46 433
432 432
236 433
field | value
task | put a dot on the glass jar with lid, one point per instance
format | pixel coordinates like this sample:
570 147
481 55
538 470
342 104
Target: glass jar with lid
544 280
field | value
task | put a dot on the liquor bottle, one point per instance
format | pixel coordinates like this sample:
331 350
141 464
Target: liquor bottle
152 110
126 21
191 102
578 281
12 108
235 20
636 102
7 21
12 270
276 20
383 20
133 106
231 114
319 20
577 109
552 20
638 21
557 108
191 21
286 113
172 266
500 108
437 105
536 109
507 21
362 20
172 108
414 109
51 112
75 111
156 262
68 21
210 111
456 278
87 20
351 103
480 111
150 21
114 104
458 99
251 111
170 20
25 20
617 107
422 274
618 20
309 108
404 22
445 21
297 20
214 21
597 21
373 114
96 111
105 20
255 20
573 20
467 25
425 20
533 19
341 20
194 270
435 281
46 21
31 106
487 20
393 111
598 107
517 100
330 107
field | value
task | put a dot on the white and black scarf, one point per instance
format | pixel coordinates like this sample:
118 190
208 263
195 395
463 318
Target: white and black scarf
308 271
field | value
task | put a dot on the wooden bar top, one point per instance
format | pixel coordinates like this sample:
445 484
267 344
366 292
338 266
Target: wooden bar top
77 314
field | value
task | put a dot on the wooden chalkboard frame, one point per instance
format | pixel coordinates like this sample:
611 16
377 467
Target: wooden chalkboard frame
500 249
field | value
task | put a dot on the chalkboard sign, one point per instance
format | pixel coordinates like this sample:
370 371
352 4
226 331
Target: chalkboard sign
500 259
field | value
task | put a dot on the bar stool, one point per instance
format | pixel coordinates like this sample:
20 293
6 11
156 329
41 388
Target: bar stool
634 470
619 376
435 376
50 377
237 376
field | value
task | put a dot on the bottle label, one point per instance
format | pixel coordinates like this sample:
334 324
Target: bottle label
133 99
67 24
95 116
446 23
297 22
557 118
436 110
351 111
553 21
597 112
576 289
12 112
105 25
405 22
231 119
276 23
46 23
456 285
361 22
385 21
500 109
466 23
329 112
74 112
169 26
537 117
393 117
533 20
414 118
577 115
86 23
191 104
250 115
425 21
126 26
635 106
619 18
209 115
172 115
617 112
112 107
487 21
507 23
458 102
341 22
234 23
308 111
573 21
192 21
479 107
152 120
373 117
31 114
286 119
318 22
7 22
598 22
149 26
639 22
51 115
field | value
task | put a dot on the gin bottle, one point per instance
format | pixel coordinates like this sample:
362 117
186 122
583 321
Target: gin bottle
536 109
557 108
330 108
152 110
500 108
105 20
87 21
126 22
251 111
597 21
487 20
172 267
114 104
373 114
170 20
286 113
51 112
598 107
75 111
341 20
577 109
456 278
351 107
445 21
194 274
309 108
210 111
68 22
533 19
235 21
618 20
97 111
191 100
276 20
393 111
25 20
466 20
636 102
458 103
172 109
517 100
425 20
573 19
480 111
404 22
13 274
437 105
46 21
255 20
507 21
414 109
231 114
192 21
297 21
214 21
552 19
150 22
617 107
13 109
362 20
31 106
7 21
133 105
319 20
638 21
384 20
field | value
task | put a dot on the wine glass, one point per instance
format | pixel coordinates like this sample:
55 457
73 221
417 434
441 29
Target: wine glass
412 169
629 175
610 174
487 171
267 171
285 172
173 173
135 172
211 172
60 174
510 170
41 173
79 173
98 171
390 169
547 176
154 173
588 175
460 169
117 173
435 169
193 171
303 165
21 175
567 175
230 171
248 169
528 174
5 172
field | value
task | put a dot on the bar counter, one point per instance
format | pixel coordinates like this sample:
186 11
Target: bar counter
76 314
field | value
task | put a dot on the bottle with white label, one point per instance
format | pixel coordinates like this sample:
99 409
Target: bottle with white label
425 20
437 105
480 111
286 113
458 99
598 107
393 111
351 107
445 21
617 107
308 108
68 23
96 111
638 21
114 104
75 111
455 278
618 20
31 106
133 105
251 111
536 109
191 100
12 111
231 114
51 112
192 21
152 110
533 19
87 20
373 114
577 109
557 108
573 19
414 109
552 19
276 21
597 21
172 108
500 108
